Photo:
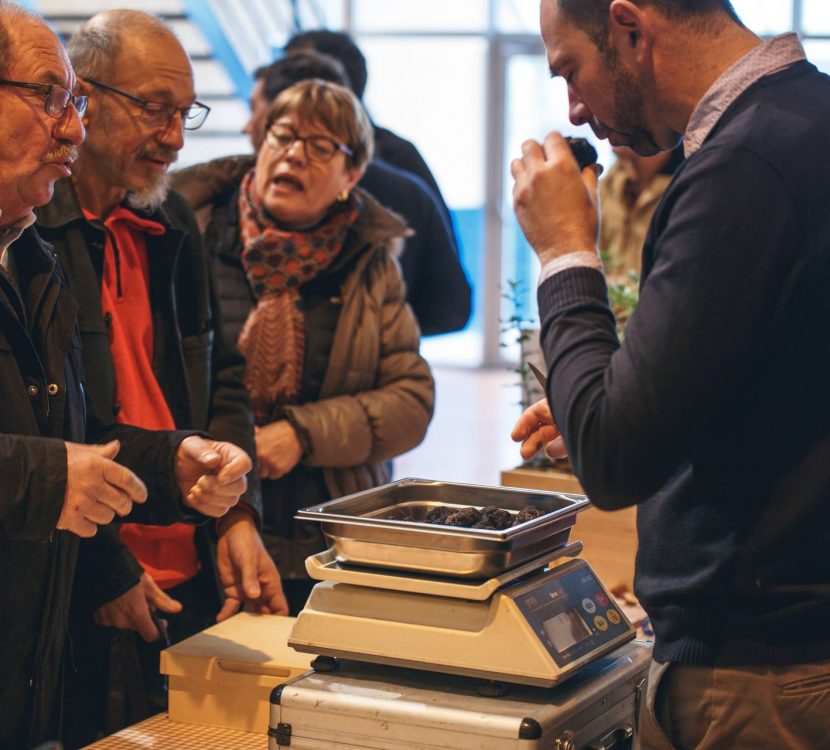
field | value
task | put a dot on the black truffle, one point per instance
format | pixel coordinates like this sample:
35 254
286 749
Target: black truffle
498 518
528 513
438 514
463 517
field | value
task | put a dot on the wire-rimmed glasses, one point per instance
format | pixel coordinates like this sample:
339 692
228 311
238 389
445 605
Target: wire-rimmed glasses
56 98
157 113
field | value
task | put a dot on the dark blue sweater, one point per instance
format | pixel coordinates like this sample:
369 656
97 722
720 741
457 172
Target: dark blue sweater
714 414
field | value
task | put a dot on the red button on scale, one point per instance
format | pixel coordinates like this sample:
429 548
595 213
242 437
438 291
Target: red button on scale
601 599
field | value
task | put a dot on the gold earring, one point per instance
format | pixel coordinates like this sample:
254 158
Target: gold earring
343 196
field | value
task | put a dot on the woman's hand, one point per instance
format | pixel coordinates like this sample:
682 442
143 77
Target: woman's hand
278 449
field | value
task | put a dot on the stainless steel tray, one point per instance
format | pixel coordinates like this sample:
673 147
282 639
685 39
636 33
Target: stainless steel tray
360 531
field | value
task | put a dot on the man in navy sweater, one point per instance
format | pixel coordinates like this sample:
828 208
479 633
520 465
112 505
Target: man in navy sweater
713 415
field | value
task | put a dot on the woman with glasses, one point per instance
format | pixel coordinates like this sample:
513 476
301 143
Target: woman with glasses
333 370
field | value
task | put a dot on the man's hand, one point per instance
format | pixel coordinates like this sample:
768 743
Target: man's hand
246 571
536 430
556 205
131 610
97 488
278 449
211 475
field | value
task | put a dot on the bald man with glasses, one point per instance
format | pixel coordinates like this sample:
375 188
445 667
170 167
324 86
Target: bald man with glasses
156 358
56 487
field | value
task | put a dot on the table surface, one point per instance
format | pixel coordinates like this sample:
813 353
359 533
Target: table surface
159 732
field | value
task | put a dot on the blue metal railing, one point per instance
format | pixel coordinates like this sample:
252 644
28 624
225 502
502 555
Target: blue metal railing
201 14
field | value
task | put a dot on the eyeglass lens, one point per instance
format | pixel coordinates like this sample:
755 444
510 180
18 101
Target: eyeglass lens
59 99
193 117
317 148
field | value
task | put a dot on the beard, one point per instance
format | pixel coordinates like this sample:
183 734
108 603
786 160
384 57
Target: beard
630 109
150 197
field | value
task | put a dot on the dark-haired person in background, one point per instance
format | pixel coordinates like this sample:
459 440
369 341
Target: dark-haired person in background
389 146
713 414
437 288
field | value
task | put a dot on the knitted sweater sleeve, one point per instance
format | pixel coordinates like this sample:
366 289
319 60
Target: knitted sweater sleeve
631 414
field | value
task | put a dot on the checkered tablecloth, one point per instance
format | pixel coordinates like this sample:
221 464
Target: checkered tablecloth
159 733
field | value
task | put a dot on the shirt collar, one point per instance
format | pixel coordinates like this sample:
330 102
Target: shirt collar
12 233
764 60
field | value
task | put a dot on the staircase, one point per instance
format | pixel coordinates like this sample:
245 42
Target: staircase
226 41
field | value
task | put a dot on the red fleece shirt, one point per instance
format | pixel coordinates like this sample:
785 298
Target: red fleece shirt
167 553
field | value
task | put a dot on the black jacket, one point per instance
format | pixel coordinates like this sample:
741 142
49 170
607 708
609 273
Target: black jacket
437 288
200 376
403 154
43 405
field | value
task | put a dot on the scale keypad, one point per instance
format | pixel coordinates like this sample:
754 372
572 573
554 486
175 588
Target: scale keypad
570 612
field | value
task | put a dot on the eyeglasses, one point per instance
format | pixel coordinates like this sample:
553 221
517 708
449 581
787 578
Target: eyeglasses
318 149
157 113
57 99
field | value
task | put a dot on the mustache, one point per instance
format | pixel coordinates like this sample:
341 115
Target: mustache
159 153
63 153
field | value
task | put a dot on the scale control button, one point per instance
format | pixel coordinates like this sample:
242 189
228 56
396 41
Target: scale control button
601 599
600 623
613 616
589 606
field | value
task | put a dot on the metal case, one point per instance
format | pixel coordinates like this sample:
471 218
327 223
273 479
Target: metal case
387 708
367 528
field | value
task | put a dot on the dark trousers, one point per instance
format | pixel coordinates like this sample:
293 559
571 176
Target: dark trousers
114 680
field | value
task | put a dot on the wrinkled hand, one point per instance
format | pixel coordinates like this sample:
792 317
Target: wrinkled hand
131 610
555 205
246 571
211 475
278 449
536 430
97 488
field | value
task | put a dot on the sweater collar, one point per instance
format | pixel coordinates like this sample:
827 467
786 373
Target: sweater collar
766 59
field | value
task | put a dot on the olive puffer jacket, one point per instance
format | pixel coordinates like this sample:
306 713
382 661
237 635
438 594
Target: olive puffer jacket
377 394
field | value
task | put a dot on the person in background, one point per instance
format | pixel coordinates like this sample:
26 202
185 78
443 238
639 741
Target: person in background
629 193
336 381
389 147
155 357
55 488
436 286
713 414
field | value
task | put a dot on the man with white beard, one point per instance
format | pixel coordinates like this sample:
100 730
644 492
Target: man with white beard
154 357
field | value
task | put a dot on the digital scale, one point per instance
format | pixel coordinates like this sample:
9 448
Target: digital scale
447 613
535 624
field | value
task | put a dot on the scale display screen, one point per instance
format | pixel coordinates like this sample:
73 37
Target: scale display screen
566 629
570 612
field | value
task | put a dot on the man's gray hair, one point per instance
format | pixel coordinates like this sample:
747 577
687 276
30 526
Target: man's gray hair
97 43
12 14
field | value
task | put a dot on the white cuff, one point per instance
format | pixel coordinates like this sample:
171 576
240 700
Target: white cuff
582 259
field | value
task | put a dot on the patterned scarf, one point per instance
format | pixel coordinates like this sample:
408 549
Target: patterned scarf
278 262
